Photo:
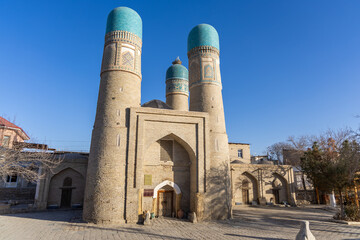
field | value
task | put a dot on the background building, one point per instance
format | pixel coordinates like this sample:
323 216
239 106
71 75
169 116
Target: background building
13 187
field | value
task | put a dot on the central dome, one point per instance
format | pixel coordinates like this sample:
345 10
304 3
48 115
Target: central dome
203 35
177 71
124 19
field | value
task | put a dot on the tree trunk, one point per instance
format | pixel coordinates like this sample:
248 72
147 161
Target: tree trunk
317 195
304 185
342 212
356 194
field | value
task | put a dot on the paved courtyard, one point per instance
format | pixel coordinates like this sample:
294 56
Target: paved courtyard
248 223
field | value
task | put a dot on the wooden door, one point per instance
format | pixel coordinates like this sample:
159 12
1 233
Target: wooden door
245 196
66 197
277 196
165 203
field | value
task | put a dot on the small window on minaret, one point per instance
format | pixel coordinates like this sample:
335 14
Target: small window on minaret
240 153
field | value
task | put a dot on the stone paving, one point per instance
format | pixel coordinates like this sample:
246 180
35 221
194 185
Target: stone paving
248 223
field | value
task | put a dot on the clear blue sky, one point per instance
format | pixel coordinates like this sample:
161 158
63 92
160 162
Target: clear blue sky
288 67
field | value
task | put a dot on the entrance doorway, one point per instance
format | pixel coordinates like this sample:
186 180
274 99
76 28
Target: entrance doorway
245 192
165 203
66 193
66 197
277 196
245 196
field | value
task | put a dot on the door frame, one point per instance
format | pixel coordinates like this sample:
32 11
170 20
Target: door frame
158 200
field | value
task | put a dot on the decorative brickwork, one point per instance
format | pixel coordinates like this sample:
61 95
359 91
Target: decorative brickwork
122 51
203 51
209 72
177 86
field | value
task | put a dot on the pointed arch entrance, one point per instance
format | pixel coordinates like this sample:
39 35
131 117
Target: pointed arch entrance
66 189
169 164
249 188
167 196
280 189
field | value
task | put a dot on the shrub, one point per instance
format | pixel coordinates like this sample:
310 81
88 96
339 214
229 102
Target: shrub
352 212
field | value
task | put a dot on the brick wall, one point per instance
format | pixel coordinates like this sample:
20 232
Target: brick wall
23 195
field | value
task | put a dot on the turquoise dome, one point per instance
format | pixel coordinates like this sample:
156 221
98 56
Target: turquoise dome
177 71
203 35
125 19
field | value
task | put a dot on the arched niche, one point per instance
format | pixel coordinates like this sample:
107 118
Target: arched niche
178 171
280 189
190 150
67 182
249 188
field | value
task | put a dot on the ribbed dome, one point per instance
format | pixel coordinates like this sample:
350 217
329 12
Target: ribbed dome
203 35
177 71
125 19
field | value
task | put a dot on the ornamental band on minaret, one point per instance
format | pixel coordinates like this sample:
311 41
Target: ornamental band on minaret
120 88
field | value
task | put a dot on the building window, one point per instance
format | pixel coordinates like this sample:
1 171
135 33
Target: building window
240 153
6 141
11 181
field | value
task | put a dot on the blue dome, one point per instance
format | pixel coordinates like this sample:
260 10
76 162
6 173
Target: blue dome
203 35
125 19
177 71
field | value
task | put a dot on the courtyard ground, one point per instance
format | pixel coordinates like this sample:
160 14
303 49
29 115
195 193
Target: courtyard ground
248 223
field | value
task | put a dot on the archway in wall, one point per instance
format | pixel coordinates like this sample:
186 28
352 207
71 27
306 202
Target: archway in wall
66 189
168 163
167 197
249 188
280 189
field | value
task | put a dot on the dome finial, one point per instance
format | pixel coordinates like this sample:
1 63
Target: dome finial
177 61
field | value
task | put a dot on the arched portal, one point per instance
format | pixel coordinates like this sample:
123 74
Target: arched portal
280 189
249 188
169 165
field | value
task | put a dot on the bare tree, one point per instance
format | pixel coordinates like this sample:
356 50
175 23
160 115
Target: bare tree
337 138
275 151
301 143
293 150
26 164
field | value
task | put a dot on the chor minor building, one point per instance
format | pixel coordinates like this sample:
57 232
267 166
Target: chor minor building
165 158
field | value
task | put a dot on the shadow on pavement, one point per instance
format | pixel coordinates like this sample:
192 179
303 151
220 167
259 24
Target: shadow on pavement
70 215
251 237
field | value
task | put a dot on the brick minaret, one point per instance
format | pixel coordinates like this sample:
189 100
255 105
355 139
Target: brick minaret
120 88
205 96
